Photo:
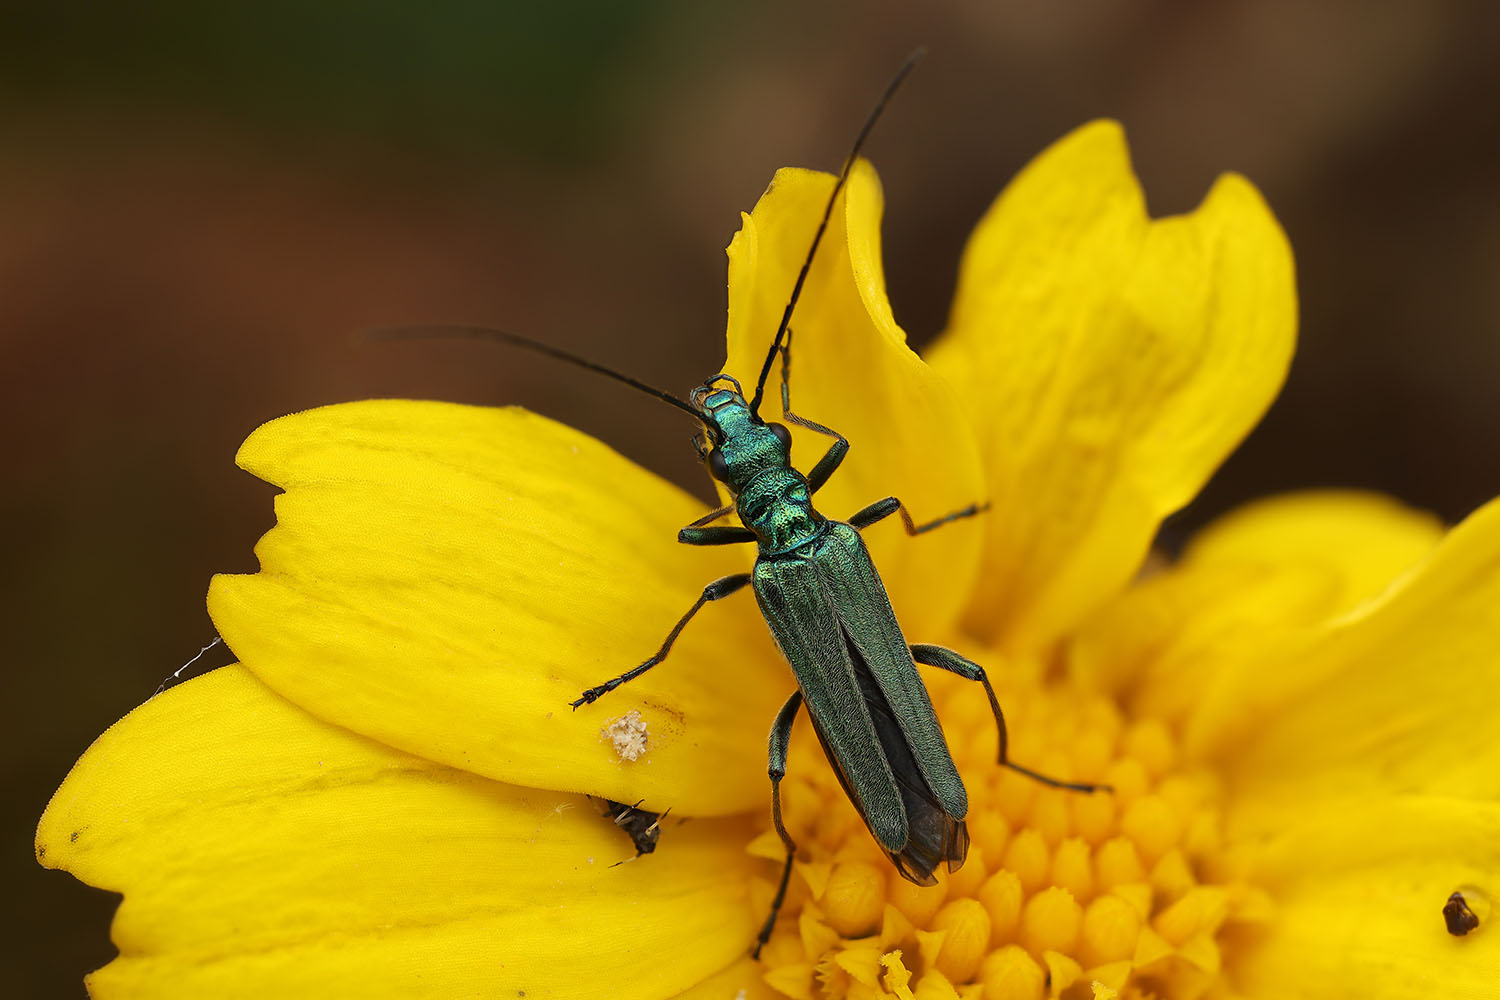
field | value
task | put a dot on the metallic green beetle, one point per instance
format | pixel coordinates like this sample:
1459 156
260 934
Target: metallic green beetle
828 610
825 605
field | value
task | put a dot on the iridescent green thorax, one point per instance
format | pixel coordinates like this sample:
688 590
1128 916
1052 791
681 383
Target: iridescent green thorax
753 460
777 506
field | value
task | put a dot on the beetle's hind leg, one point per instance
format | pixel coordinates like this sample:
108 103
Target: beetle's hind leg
946 659
781 737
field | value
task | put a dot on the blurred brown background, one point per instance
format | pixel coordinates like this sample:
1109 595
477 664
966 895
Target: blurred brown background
199 204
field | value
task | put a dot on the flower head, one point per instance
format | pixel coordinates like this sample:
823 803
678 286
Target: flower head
388 796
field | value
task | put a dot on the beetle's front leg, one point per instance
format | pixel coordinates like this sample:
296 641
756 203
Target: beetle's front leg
698 534
836 451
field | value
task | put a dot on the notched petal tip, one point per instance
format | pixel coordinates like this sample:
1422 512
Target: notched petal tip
1110 363
265 853
446 579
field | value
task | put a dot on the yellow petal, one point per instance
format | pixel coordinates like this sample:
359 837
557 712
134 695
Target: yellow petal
1270 568
446 579
1361 542
1359 903
1110 364
852 371
744 980
1159 645
1396 697
263 853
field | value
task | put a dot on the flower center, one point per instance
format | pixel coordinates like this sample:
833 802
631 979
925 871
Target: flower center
1063 893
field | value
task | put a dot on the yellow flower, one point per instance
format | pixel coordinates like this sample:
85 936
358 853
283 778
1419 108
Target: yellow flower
385 798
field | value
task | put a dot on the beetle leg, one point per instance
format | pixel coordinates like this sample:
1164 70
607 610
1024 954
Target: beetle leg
712 516
722 587
881 509
725 534
698 533
840 447
946 659
781 737
830 460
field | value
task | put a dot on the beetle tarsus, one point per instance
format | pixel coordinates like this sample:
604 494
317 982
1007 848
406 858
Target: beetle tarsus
765 930
1072 786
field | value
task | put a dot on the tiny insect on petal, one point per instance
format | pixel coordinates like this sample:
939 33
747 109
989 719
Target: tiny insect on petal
1459 917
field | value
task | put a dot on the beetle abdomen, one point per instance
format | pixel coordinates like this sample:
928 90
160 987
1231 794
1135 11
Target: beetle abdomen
933 836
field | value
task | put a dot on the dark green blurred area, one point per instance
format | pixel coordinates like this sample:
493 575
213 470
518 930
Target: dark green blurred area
453 76
202 204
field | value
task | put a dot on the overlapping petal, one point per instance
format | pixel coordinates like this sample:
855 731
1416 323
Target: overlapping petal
1250 581
1360 543
446 579
1363 780
744 980
263 853
1109 363
1359 901
1392 699
852 371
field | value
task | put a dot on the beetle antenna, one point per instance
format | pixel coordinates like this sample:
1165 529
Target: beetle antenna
465 332
859 141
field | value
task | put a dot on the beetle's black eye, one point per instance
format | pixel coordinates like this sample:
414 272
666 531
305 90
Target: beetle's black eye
718 467
782 434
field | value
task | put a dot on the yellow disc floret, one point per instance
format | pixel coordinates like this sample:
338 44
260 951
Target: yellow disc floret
1117 893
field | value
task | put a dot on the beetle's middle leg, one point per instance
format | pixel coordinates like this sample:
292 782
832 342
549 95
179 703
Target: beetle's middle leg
881 509
781 737
946 659
720 588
